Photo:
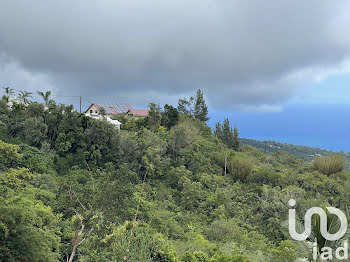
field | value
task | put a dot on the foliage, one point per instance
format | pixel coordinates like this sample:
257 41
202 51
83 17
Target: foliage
227 134
200 110
36 160
185 106
8 93
305 153
103 111
8 155
154 117
240 167
330 164
45 96
183 134
23 97
74 188
236 142
28 228
195 107
170 116
285 252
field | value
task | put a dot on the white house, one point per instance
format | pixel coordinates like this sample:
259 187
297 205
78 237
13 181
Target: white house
111 109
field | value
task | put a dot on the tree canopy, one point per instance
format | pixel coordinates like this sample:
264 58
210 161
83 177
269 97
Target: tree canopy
195 107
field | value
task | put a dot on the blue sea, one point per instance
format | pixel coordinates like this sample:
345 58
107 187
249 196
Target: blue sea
323 126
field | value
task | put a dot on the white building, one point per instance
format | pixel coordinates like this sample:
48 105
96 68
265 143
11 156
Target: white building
111 109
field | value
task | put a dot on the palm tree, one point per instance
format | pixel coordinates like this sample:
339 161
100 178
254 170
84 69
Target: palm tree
306 247
333 225
8 93
46 97
23 97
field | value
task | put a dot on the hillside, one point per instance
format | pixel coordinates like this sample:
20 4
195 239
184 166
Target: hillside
305 153
74 188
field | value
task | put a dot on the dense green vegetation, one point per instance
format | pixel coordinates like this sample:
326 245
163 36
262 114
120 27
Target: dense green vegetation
74 188
305 153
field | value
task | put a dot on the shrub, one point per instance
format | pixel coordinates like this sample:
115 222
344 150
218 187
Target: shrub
184 134
240 167
329 165
201 256
35 160
262 175
285 252
226 258
286 158
8 155
252 151
188 257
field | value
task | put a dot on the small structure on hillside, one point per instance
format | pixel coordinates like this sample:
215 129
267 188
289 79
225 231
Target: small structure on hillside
114 109
110 109
137 113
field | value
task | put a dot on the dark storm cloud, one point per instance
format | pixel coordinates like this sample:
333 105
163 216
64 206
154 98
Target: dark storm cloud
244 54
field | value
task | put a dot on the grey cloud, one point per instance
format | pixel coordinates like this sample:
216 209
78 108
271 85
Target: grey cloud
240 52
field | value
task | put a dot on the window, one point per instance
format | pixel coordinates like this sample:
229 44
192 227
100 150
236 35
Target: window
90 111
96 111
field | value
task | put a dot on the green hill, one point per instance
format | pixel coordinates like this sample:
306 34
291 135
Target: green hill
162 189
305 153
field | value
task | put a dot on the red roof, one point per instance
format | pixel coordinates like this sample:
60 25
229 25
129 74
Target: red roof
139 112
113 110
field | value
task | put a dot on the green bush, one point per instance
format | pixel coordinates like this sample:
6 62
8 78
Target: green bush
188 257
201 256
240 167
8 155
35 160
261 175
226 258
285 252
329 165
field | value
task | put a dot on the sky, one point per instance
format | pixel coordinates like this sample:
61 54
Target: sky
278 69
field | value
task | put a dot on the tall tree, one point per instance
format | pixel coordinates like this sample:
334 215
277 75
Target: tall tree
170 116
235 142
228 135
200 110
23 97
154 116
195 107
8 93
45 96
185 106
218 130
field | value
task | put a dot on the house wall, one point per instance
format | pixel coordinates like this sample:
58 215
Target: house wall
93 111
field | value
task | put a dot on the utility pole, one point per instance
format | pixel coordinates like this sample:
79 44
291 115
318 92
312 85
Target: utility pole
265 148
80 103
